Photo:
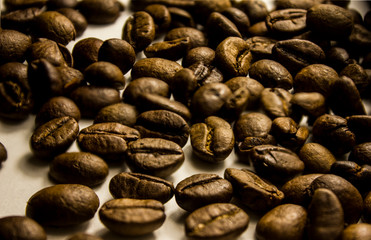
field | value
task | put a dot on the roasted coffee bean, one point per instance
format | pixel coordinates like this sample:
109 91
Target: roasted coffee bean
204 73
3 153
256 10
20 227
244 147
295 54
150 101
359 39
330 21
57 107
197 37
357 231
145 85
13 46
252 124
141 186
61 205
288 133
139 30
14 5
123 113
202 189
159 68
54 137
212 140
366 217
141 4
240 98
361 126
276 103
358 75
275 163
325 215
259 29
55 26
85 52
118 52
310 104
317 158
104 74
132 217
316 78
337 58
209 100
239 18
91 99
286 221
297 189
100 11
283 4
205 55
256 193
107 140
71 79
154 156
333 132
220 221
286 22
271 74
16 100
261 47
161 16
83 236
79 168
361 154
56 4
172 50
233 56
345 99
78 20
21 19
350 198
181 18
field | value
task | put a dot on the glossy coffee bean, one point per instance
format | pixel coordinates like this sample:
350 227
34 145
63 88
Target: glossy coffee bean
287 22
21 227
317 158
85 52
123 113
100 11
357 232
104 74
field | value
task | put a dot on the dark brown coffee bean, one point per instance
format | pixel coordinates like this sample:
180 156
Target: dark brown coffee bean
259 29
199 54
288 133
141 4
105 74
203 9
132 217
317 158
330 21
79 168
181 18
141 186
212 140
161 16
337 58
145 85
271 74
283 4
366 217
202 189
154 156
261 47
287 22
57 107
78 19
256 10
159 68
197 37
20 227
3 153
118 52
333 132
83 236
296 54
361 154
358 75
244 147
55 4
286 221
61 205
54 137
85 52
16 100
233 56
55 26
172 50
359 39
350 198
357 231
24 4
255 192
252 124
204 73
21 19
108 140
276 103
361 126
91 99
325 215
123 113
220 221
139 30
71 79
13 46
276 163
311 104
100 11
297 189
239 18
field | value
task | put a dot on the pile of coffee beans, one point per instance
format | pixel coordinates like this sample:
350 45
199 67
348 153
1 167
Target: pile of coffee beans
285 89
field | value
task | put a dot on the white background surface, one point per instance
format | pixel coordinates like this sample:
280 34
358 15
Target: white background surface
22 175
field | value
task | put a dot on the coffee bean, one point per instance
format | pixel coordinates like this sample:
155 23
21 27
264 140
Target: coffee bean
78 19
61 205
244 147
100 11
358 75
181 18
252 124
256 193
317 158
239 18
79 168
85 52
54 137
13 46
3 153
366 217
287 22
132 217
357 231
216 221
257 10
276 103
21 19
141 186
24 4
283 4
123 113
154 156
311 104
198 54
104 74
361 154
21 227
197 38
107 140
83 236
261 47
161 16
202 189
360 125
71 79
172 50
